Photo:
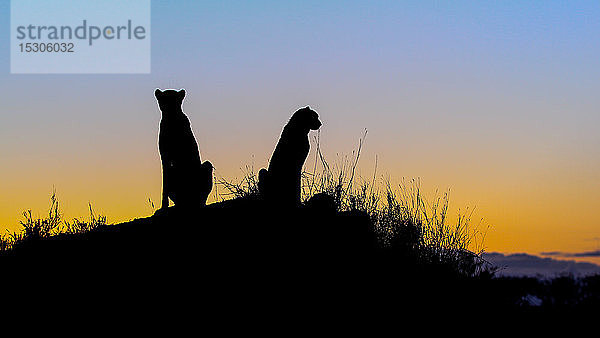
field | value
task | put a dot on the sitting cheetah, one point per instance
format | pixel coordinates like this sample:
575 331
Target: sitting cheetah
186 180
280 184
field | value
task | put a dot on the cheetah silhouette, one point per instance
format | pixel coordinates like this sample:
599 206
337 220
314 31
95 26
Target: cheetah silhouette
186 180
280 184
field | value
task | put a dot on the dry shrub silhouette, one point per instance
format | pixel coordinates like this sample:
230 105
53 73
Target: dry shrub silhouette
35 228
245 188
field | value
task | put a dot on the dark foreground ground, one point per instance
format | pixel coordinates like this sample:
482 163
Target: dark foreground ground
239 258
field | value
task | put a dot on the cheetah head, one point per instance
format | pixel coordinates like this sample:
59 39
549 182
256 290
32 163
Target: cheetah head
169 100
306 119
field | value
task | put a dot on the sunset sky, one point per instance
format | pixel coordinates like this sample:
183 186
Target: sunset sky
496 101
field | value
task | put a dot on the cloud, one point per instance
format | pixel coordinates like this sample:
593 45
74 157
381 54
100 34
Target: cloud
553 253
587 254
595 253
521 264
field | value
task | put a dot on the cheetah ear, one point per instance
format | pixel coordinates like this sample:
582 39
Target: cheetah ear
181 93
157 93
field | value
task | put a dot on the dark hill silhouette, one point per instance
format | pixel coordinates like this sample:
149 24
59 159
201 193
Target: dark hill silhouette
243 251
242 260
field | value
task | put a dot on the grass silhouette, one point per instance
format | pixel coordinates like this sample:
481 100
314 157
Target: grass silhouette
33 229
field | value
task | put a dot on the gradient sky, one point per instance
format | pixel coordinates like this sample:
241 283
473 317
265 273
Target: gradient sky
496 101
